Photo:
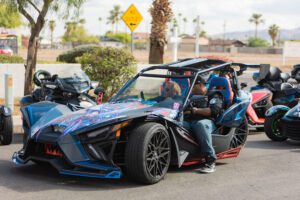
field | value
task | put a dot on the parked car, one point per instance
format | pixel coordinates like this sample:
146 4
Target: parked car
5 50
6 126
140 130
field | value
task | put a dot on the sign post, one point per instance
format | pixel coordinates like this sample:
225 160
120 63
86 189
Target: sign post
132 18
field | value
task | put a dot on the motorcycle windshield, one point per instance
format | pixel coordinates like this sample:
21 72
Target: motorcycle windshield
74 81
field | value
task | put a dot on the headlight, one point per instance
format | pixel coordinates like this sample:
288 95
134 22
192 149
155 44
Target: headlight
296 113
58 129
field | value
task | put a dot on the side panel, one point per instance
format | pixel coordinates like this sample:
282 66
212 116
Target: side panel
234 116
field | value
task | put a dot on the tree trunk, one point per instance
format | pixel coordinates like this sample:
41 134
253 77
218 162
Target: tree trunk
30 63
255 31
156 55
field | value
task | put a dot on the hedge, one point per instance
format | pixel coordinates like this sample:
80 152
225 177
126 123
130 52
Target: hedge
11 59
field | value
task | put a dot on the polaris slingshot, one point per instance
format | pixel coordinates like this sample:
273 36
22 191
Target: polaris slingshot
140 130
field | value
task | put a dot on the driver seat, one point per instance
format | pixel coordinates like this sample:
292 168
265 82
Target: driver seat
222 85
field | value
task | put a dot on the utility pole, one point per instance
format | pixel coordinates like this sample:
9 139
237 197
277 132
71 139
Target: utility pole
175 44
197 34
224 35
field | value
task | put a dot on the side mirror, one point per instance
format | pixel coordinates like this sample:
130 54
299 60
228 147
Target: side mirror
99 90
243 85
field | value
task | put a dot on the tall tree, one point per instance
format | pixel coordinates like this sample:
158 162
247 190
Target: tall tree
114 17
100 24
35 11
273 32
161 13
52 26
179 22
9 18
185 20
256 19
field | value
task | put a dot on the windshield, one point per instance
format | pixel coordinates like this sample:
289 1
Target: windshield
156 91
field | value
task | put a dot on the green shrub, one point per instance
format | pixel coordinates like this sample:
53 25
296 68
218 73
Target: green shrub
125 38
112 67
70 56
11 59
257 42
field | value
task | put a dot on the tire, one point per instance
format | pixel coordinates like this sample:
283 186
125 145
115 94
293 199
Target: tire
272 128
145 162
240 135
6 131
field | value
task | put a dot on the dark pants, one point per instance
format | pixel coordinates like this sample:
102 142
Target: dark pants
203 130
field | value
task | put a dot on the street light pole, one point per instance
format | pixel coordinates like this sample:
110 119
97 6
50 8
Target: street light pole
197 35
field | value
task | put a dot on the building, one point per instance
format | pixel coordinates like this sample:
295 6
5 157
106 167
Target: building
109 42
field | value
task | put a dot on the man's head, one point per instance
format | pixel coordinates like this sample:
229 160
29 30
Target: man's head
199 87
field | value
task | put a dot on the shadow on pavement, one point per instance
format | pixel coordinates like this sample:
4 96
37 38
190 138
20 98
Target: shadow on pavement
34 177
268 144
18 138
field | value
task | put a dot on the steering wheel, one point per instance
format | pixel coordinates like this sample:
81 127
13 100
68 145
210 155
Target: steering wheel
39 76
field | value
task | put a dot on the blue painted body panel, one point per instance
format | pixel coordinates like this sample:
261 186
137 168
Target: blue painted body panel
275 109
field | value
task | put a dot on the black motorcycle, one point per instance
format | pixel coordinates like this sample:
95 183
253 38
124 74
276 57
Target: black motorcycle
71 89
273 88
6 126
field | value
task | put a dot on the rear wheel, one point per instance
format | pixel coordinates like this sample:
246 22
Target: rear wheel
6 131
272 127
148 153
240 135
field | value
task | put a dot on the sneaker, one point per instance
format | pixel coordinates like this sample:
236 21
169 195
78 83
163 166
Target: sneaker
207 168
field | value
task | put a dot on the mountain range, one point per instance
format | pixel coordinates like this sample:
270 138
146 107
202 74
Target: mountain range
285 34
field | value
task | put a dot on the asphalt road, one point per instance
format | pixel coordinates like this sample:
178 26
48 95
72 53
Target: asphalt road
264 170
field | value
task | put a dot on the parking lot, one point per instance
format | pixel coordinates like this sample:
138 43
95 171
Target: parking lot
264 170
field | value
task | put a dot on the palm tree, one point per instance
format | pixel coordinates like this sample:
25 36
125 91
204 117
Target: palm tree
82 21
100 22
161 13
257 20
52 26
185 22
179 22
273 32
115 16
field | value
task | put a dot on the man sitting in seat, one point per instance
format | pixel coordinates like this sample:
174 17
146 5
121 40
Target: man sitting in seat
202 124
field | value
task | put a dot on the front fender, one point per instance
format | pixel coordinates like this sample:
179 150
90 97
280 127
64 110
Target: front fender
276 109
5 111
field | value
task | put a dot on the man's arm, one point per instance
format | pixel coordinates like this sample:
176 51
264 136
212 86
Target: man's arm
204 112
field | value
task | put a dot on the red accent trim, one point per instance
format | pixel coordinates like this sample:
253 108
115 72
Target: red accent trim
232 153
100 98
253 116
51 150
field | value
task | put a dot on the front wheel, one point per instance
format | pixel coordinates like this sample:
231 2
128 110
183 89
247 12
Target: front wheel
272 127
240 135
6 131
148 153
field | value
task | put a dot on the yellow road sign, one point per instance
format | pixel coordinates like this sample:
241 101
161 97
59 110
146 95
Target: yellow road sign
132 17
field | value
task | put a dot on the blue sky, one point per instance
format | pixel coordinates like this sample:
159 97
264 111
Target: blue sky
213 12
